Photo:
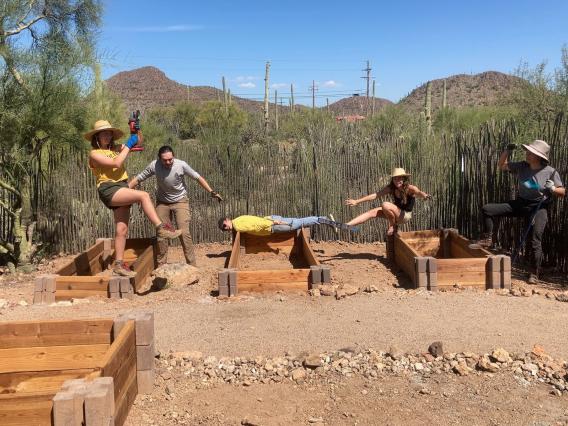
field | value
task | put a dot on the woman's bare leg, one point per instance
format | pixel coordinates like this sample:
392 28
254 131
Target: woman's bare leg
121 218
391 212
127 197
362 218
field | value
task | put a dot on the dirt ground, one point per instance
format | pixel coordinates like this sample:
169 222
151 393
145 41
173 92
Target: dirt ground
194 319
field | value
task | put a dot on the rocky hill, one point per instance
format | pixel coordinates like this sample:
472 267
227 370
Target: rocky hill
484 89
356 105
148 87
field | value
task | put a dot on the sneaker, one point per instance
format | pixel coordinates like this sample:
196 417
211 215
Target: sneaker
533 279
121 268
335 227
339 225
166 230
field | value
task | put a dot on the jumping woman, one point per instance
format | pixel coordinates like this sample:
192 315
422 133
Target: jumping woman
396 213
106 160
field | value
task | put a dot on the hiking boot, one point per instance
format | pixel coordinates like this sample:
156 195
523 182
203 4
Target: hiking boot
166 230
338 225
335 227
121 268
533 279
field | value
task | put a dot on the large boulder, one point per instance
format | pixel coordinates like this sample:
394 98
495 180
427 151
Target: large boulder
174 275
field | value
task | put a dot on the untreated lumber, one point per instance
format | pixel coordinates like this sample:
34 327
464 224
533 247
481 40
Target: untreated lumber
306 248
81 264
235 251
143 267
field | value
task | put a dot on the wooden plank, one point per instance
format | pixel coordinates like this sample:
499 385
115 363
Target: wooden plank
306 249
460 247
404 256
27 409
424 246
79 294
119 350
462 265
429 233
143 267
54 333
273 276
82 283
471 278
126 400
234 259
124 378
293 286
42 358
44 381
81 263
258 244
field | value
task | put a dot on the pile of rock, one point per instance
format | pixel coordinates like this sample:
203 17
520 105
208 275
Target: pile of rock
341 291
535 366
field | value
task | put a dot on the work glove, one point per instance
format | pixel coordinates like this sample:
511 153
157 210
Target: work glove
549 187
511 147
216 195
132 140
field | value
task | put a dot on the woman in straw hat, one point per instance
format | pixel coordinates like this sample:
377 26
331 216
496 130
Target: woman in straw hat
106 160
399 212
538 183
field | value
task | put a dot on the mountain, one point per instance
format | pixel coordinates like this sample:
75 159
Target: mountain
357 105
148 87
484 89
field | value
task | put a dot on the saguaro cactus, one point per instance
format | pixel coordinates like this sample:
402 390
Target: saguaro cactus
428 107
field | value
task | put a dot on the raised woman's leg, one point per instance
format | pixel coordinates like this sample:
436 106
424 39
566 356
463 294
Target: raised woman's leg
377 212
391 212
121 218
127 197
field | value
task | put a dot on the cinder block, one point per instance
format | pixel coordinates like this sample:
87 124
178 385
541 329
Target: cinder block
432 274
114 295
97 411
432 265
125 285
72 384
325 274
38 297
47 297
119 324
127 295
420 264
64 409
233 282
505 263
421 280
223 276
107 384
144 328
145 356
39 284
495 263
114 285
315 277
145 381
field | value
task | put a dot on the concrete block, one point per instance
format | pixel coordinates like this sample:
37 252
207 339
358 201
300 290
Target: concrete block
114 285
73 384
420 264
144 328
114 295
432 265
145 356
325 274
47 297
233 282
223 277
145 381
505 263
107 384
38 284
97 411
38 297
315 277
421 280
494 263
64 409
125 285
118 325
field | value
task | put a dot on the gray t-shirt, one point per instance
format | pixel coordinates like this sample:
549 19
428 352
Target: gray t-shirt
531 182
171 184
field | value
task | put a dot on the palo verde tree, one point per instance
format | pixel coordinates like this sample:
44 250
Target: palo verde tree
46 46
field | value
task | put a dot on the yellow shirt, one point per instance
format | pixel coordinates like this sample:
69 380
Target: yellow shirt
105 173
255 225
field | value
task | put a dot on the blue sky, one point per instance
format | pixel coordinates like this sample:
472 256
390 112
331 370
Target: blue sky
407 43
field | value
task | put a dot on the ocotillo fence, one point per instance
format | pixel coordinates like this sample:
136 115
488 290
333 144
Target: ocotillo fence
314 176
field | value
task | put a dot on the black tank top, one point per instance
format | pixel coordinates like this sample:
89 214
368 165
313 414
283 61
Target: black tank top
409 202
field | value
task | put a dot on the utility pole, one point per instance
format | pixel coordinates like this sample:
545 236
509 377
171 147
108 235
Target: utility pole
327 104
225 100
276 109
292 98
313 88
367 77
266 80
373 101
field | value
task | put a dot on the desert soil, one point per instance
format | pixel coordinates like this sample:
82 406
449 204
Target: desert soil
192 318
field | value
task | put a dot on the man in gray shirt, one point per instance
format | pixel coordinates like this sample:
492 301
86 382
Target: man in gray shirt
172 197
538 184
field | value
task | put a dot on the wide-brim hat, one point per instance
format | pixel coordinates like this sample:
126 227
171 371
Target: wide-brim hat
101 125
399 171
539 148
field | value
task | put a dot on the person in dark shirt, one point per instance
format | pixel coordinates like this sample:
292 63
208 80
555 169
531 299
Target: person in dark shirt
398 212
538 183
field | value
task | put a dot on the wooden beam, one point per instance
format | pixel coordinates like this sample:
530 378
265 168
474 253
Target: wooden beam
307 251
143 267
26 409
273 276
42 358
259 287
404 257
81 264
234 259
25 334
44 381
283 241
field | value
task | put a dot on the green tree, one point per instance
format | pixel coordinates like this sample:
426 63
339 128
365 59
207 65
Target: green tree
46 48
213 115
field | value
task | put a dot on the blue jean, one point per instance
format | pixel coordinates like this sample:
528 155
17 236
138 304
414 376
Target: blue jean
293 223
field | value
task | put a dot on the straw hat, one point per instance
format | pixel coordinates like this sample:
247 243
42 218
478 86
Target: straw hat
399 171
538 147
101 125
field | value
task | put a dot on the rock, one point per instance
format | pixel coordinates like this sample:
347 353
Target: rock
516 292
350 290
315 420
298 374
3 303
188 355
539 352
61 303
327 290
436 349
395 352
80 301
174 275
531 368
501 355
425 391
250 421
23 303
340 294
312 361
562 297
371 289
315 292
485 364
461 368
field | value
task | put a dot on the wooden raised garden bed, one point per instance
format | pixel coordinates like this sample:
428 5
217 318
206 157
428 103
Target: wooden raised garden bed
443 258
304 272
87 275
74 372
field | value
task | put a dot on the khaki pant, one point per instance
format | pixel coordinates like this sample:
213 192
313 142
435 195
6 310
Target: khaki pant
182 216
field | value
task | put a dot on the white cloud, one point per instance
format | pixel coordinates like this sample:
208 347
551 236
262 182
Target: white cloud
248 85
161 29
243 78
279 85
330 83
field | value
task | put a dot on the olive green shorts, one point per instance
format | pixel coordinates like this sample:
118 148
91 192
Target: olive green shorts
107 190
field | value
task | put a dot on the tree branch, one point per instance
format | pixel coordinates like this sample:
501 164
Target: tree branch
22 26
10 188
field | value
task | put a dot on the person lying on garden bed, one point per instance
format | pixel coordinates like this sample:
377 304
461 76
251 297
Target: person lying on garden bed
267 225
